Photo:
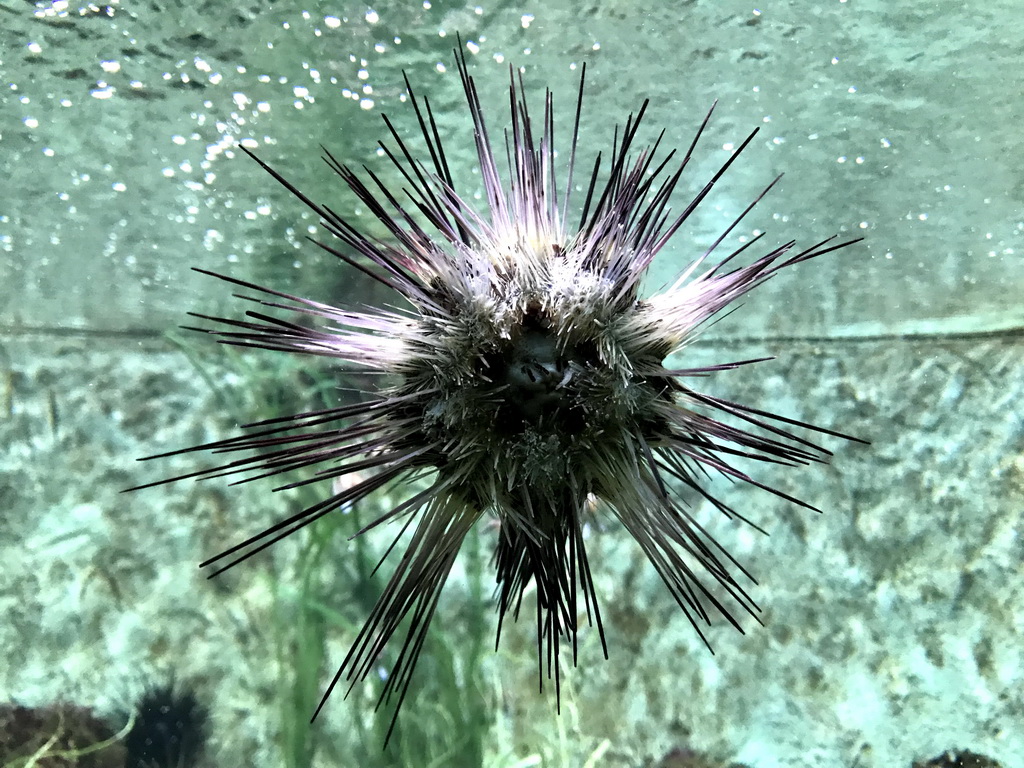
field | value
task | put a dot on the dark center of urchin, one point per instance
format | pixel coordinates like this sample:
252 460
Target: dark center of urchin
539 386
531 378
531 405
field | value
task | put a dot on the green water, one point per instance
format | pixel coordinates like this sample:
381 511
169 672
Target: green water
891 622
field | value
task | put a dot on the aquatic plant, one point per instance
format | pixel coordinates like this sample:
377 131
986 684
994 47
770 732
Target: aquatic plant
526 378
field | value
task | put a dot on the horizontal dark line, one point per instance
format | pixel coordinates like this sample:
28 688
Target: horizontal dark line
916 336
15 331
145 334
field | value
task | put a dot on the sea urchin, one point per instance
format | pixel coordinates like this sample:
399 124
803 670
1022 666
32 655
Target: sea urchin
527 378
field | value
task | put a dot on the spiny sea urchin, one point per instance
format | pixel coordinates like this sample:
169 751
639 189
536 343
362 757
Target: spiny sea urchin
527 378
169 731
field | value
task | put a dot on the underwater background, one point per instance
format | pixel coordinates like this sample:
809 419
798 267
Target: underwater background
893 623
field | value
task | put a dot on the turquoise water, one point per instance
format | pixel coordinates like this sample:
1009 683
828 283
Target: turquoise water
891 622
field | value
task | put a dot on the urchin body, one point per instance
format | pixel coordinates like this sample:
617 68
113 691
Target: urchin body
541 396
528 379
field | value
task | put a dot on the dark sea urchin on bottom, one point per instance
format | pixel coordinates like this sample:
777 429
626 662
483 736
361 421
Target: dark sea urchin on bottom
170 729
526 380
